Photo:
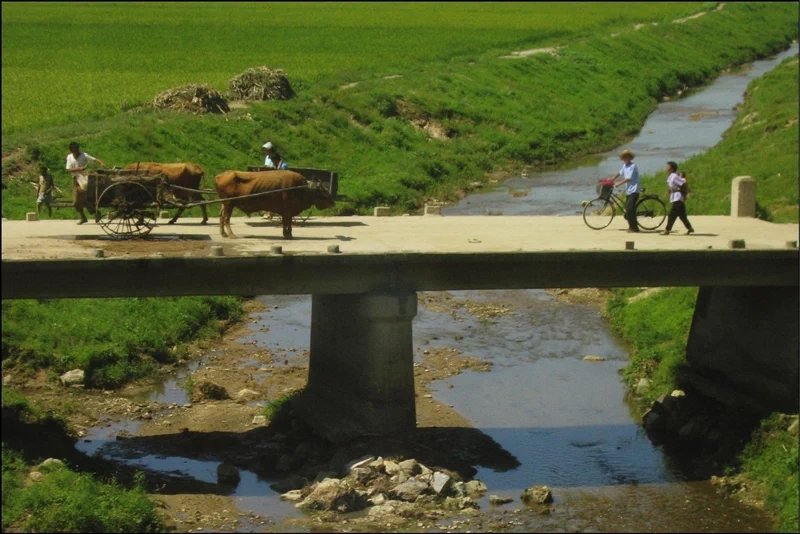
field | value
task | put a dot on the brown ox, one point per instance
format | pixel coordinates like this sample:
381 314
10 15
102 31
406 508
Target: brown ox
186 175
232 184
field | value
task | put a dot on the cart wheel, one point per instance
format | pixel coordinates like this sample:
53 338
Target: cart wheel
132 210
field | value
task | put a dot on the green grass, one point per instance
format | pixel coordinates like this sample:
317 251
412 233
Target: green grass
771 459
656 328
761 143
499 113
109 53
65 501
112 340
278 408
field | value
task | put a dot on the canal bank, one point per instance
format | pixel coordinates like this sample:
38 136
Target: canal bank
562 418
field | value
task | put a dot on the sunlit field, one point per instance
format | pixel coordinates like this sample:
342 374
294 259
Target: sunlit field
67 62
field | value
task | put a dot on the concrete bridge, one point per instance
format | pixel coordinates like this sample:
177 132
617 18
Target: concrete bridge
364 294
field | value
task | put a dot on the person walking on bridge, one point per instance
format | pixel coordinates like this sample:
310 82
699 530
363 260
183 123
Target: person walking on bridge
630 175
77 162
677 195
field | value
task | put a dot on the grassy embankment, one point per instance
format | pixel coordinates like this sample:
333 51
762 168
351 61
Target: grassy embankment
497 113
112 340
64 500
761 143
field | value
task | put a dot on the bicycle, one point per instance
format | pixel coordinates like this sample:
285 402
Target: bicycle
598 213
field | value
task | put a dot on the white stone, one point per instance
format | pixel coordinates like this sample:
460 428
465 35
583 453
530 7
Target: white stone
432 209
247 395
440 482
52 462
677 393
76 376
260 420
642 385
593 358
293 496
391 468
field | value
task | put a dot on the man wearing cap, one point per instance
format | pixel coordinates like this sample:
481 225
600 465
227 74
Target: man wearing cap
630 176
268 155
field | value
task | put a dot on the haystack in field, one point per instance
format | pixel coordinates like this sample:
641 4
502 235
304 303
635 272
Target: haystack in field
192 98
261 83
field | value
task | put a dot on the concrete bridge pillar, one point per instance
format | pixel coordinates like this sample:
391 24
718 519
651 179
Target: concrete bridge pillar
743 346
361 369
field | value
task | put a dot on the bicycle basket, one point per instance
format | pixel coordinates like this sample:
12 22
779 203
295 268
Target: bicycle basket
604 188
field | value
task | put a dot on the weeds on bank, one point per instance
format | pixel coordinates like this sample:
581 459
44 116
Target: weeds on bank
112 340
279 408
771 458
657 329
63 501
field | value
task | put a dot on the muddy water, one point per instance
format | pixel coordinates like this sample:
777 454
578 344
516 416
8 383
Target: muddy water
564 419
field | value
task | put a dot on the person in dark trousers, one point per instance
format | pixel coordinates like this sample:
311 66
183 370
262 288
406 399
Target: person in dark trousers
677 195
630 176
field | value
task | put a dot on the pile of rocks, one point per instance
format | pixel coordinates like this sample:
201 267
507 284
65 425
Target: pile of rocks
192 98
388 487
261 83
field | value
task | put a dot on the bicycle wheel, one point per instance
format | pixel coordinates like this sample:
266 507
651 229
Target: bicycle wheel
598 213
650 213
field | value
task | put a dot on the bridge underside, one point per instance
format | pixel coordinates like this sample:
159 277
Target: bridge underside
361 377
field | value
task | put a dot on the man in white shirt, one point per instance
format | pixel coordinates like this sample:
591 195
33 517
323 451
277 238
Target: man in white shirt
76 164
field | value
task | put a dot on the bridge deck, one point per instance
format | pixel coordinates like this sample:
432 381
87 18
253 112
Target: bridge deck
388 253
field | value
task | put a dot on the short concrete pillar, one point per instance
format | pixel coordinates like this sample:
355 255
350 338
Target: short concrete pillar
433 209
736 243
743 197
217 251
382 211
31 216
163 214
99 253
361 368
333 249
629 245
276 249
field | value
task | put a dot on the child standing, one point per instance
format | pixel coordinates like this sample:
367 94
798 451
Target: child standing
44 191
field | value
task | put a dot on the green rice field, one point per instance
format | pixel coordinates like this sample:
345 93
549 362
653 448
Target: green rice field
67 62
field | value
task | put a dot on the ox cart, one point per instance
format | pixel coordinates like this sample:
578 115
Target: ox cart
131 201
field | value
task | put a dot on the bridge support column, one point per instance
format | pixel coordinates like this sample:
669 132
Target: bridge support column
361 369
743 346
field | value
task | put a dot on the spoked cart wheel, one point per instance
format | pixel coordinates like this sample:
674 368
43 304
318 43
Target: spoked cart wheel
132 210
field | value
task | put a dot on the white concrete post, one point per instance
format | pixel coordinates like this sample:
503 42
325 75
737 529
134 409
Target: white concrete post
743 197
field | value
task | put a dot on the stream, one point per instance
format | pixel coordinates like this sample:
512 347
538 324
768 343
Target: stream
564 419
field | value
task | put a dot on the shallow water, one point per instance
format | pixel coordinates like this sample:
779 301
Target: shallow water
668 135
564 419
